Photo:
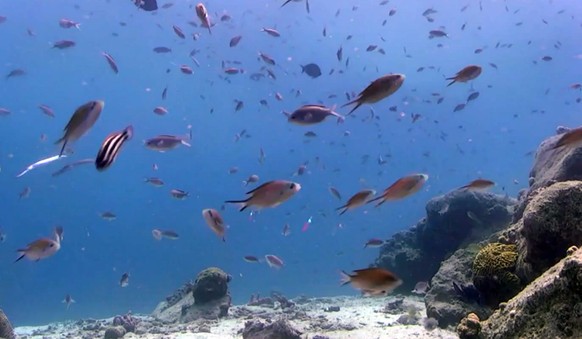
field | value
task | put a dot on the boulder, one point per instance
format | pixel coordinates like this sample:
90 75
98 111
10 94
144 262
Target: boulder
280 329
211 284
452 220
549 307
443 303
6 330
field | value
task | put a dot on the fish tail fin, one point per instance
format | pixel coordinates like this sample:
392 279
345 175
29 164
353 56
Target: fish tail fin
452 82
243 203
129 132
358 104
345 278
20 257
344 207
185 143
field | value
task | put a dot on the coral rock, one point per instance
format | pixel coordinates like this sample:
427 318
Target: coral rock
280 329
469 327
6 330
211 284
114 332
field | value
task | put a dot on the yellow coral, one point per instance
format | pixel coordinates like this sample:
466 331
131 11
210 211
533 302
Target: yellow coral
495 258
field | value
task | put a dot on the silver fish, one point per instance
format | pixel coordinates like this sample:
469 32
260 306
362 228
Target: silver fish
162 143
40 163
82 120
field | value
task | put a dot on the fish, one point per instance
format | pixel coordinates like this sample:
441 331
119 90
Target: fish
70 166
421 287
186 69
146 5
267 59
272 32
357 200
459 107
478 184
62 44
312 114
66 23
164 142
472 96
124 281
251 179
202 14
179 32
335 192
570 139
234 41
274 261
47 110
162 49
68 300
402 188
158 234
39 163
372 281
379 89
42 248
215 222
80 122
286 230
311 70
107 215
111 62
437 33
179 194
339 54
373 243
15 73
466 74
160 110
269 194
111 147
251 259
154 181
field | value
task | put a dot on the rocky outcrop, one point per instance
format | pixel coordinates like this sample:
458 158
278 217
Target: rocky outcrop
205 298
550 307
442 301
6 330
452 220
280 329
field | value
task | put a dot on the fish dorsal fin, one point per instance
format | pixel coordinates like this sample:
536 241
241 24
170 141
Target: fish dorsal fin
259 187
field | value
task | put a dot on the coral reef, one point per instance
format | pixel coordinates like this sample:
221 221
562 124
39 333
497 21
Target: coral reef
550 307
454 219
115 332
442 301
211 284
469 327
493 269
6 330
280 329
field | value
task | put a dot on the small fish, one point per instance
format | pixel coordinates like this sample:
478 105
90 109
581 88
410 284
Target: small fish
111 147
459 107
251 179
251 259
373 243
357 200
402 188
421 287
107 215
372 281
547 58
111 62
25 193
163 143
42 248
234 41
472 96
47 110
66 23
437 34
158 234
70 166
339 54
62 44
124 281
286 230
160 110
82 120
215 222
156 182
311 70
179 194
272 32
15 73
478 184
68 300
267 59
162 49
335 192
269 194
186 69
4 111
379 89
312 114
202 14
274 261
466 74
179 32
570 139
40 163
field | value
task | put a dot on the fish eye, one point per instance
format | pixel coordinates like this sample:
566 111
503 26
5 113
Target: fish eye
52 245
292 186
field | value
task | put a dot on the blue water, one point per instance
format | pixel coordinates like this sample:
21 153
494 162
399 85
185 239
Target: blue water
490 138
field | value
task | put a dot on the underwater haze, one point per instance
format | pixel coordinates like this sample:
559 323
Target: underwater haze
531 59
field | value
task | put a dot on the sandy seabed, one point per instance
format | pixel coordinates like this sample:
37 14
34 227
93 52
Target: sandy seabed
357 318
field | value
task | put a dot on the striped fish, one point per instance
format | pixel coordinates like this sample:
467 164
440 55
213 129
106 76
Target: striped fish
111 147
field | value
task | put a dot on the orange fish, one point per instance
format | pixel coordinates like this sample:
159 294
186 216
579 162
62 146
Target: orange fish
572 138
379 89
372 281
269 194
356 200
468 73
478 184
215 222
202 14
42 248
402 188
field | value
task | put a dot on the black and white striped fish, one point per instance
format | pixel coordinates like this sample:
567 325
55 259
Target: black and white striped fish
111 147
